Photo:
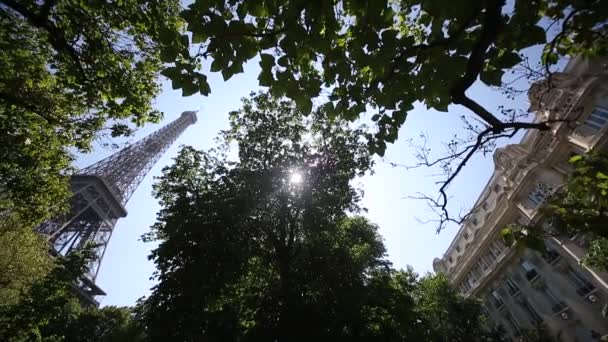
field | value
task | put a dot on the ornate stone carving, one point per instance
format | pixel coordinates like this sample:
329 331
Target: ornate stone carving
509 157
439 265
543 93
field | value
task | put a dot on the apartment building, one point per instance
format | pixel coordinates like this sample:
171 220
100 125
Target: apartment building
524 288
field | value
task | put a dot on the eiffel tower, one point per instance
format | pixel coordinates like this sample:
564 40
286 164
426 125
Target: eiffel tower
100 192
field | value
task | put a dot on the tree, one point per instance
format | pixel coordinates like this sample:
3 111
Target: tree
24 259
50 310
69 72
266 247
446 314
47 299
107 324
384 56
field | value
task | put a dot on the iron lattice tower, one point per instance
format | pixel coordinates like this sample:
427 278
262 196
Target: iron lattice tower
100 192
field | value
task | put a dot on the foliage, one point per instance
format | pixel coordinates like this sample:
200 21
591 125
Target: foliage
580 207
385 55
583 206
24 259
539 334
107 324
249 252
445 313
597 255
46 300
49 310
70 71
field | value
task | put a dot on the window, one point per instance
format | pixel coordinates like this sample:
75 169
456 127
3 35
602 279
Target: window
450 260
551 255
513 323
535 317
472 278
539 194
458 249
491 257
466 235
598 118
510 286
583 287
496 249
556 304
482 265
529 269
484 206
479 270
496 299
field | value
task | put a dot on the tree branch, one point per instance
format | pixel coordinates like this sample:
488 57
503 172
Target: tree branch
55 36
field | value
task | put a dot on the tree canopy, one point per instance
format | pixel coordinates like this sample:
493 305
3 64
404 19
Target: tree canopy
24 259
49 310
264 246
385 55
69 72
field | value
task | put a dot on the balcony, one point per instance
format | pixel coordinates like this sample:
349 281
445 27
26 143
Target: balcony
531 275
551 256
585 290
559 307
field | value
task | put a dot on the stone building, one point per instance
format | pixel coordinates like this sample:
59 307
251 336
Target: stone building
523 288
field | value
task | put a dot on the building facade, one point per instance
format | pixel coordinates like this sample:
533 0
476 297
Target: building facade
524 288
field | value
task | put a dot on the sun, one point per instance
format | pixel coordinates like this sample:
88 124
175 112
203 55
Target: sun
295 178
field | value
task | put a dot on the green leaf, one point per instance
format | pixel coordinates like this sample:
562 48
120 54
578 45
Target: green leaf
235 68
189 88
198 36
575 158
491 76
166 35
266 61
168 54
171 72
266 79
534 35
507 60
304 104
283 61
217 64
507 236
203 85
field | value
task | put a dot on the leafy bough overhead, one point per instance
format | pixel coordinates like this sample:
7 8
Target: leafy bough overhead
71 72
385 55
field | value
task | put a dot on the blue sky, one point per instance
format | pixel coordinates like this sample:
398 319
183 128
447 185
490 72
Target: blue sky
125 272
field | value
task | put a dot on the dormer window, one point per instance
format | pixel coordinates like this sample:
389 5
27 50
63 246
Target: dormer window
540 193
458 249
529 269
466 235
